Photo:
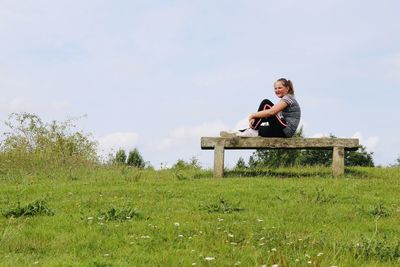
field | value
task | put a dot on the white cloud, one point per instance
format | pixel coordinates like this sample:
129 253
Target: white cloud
182 135
371 143
117 140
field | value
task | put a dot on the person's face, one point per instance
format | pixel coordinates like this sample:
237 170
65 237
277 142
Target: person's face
280 90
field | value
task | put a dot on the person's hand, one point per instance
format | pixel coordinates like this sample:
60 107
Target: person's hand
251 121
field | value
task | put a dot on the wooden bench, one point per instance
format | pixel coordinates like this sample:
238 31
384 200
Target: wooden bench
338 145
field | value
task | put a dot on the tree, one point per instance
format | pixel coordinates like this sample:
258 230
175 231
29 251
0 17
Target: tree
359 158
193 163
120 156
240 164
275 157
135 159
397 163
311 157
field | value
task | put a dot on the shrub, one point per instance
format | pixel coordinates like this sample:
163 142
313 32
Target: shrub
120 157
193 163
31 145
38 207
135 159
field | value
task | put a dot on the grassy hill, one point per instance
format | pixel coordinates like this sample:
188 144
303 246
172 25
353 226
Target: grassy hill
120 216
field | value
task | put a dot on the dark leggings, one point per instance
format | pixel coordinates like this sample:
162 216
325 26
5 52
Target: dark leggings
275 124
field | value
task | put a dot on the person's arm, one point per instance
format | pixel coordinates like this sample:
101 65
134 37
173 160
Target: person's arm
281 105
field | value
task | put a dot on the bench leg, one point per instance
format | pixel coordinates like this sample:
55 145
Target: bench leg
218 161
338 161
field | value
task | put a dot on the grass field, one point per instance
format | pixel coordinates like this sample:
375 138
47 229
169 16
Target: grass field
119 216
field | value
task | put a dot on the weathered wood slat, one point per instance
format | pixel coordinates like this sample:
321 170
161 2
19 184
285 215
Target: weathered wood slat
295 143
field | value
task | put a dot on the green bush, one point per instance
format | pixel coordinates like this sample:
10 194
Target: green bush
31 145
120 157
135 159
193 163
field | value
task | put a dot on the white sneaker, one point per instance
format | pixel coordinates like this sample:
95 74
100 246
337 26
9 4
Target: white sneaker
248 133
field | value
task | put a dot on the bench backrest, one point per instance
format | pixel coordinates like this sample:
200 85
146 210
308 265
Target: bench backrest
295 143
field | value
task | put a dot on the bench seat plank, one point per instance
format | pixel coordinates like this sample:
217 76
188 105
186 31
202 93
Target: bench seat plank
296 143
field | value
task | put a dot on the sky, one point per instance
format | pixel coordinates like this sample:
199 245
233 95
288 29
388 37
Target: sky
158 75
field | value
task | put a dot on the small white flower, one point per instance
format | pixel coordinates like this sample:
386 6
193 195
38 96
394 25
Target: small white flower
264 265
296 260
106 255
145 237
275 265
259 220
36 262
209 258
230 235
193 264
237 263
180 236
233 243
273 249
320 254
309 262
176 224
220 219
90 218
307 256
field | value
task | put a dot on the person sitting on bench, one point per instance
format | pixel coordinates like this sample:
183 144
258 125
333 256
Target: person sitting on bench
282 118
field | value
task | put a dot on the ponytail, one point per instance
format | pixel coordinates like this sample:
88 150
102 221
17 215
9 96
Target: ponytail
288 84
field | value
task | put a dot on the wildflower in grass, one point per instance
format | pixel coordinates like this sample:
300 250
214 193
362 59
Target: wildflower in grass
233 243
309 262
90 218
259 220
145 237
296 260
106 255
230 235
275 265
237 263
307 256
273 249
220 219
320 254
180 236
209 258
177 224
36 262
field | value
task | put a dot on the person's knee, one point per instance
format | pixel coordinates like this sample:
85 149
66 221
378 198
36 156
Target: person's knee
266 104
